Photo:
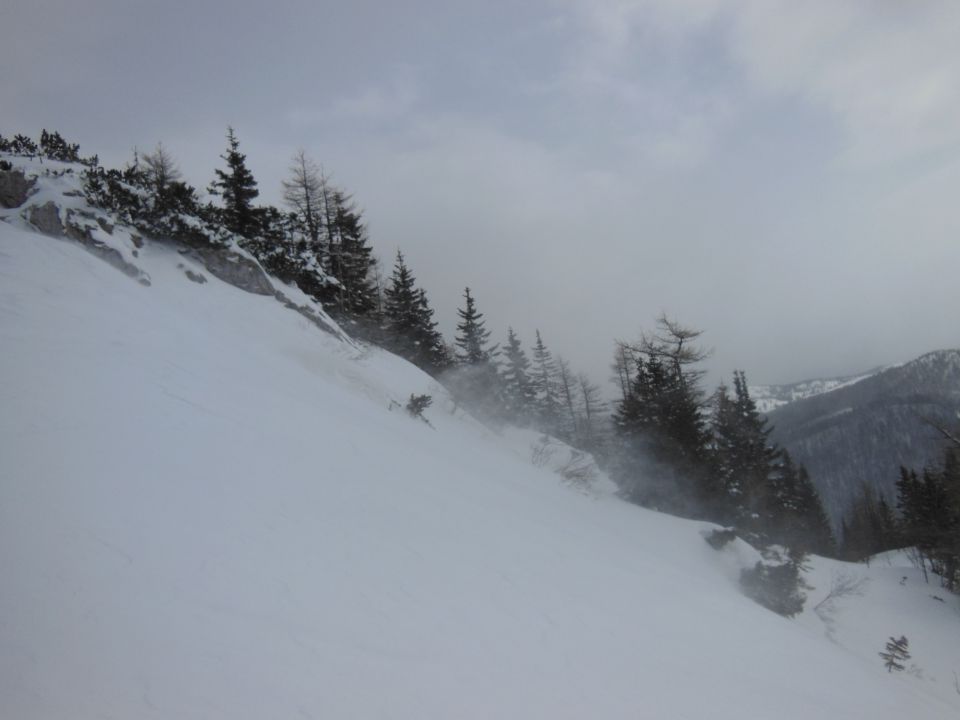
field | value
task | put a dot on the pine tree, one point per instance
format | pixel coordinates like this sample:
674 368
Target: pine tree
519 394
796 516
663 440
351 257
569 426
814 533
869 526
53 146
546 394
896 653
472 337
400 309
477 381
411 331
756 460
432 353
238 189
930 516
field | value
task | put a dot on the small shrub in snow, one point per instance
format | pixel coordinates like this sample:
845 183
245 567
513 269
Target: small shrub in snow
53 146
720 537
22 145
578 469
417 404
775 586
896 652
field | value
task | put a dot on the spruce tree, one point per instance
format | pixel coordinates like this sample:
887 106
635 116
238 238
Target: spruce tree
796 517
351 257
472 337
546 394
237 188
411 330
569 426
477 382
930 516
896 653
519 394
432 353
662 434
400 309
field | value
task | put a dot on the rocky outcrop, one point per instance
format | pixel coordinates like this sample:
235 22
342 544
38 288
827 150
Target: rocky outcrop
14 188
46 219
83 234
312 315
234 268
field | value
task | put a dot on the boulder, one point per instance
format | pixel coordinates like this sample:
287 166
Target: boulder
14 188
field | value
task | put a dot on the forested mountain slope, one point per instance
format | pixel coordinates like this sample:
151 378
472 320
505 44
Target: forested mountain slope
863 432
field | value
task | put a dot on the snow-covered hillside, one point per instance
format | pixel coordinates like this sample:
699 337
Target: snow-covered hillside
211 508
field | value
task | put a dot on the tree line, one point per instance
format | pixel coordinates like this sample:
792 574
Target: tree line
926 519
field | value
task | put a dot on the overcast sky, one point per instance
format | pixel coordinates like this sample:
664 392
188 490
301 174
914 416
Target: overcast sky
784 175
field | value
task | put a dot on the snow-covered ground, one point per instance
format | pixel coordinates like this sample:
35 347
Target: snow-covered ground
209 508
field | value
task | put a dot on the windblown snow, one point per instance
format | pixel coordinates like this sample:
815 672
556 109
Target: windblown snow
210 508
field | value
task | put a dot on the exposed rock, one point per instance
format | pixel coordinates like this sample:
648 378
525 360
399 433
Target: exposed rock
233 268
14 188
311 315
198 278
82 234
46 219
106 226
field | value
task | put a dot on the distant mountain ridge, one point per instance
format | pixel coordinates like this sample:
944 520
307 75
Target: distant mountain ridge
851 431
771 397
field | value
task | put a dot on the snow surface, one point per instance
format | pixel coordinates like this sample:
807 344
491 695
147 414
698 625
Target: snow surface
209 508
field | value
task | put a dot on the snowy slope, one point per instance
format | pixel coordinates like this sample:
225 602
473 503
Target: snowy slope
209 510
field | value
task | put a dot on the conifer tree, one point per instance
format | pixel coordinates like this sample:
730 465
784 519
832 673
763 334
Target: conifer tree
795 515
411 331
237 189
432 353
519 395
815 532
930 516
477 381
472 337
400 309
662 434
869 526
351 257
896 653
569 426
546 393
